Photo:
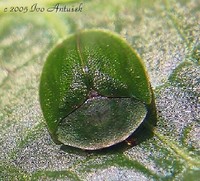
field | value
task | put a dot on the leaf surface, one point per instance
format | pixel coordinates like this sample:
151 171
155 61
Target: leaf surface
165 35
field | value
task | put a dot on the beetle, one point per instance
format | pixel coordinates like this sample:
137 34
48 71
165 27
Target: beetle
94 90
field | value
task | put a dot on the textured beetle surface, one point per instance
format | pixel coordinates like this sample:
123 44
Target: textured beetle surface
94 90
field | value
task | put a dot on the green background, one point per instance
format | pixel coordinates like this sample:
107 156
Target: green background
166 36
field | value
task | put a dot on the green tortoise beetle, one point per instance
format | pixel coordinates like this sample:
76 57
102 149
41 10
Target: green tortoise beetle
94 90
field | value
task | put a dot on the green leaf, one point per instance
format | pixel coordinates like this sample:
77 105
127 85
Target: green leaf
165 35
